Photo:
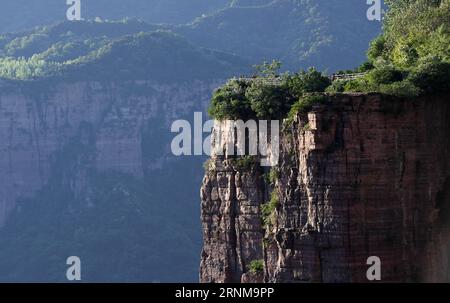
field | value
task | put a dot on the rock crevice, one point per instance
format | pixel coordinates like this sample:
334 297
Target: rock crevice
365 175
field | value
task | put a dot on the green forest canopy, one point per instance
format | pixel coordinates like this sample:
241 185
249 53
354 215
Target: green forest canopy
411 58
298 32
112 50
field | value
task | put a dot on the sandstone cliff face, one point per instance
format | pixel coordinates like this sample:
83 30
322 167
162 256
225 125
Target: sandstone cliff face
38 121
366 176
231 199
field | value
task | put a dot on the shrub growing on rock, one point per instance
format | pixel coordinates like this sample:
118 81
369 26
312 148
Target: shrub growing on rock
268 101
310 81
384 74
305 104
256 266
431 76
230 101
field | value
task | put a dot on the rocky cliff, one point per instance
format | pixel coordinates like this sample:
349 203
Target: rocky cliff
39 119
368 175
86 170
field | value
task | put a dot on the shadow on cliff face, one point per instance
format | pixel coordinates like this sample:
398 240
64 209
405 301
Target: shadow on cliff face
443 205
123 228
116 225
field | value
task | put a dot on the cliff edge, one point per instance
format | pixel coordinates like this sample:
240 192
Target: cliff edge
365 175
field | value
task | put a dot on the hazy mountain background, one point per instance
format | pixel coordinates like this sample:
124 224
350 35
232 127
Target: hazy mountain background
330 34
16 15
145 226
128 49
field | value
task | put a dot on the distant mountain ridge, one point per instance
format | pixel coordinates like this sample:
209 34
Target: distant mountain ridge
123 50
17 15
300 33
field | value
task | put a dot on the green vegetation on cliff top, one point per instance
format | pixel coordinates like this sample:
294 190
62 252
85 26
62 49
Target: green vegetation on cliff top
411 58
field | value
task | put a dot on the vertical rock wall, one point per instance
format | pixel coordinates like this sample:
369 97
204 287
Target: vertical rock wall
232 230
366 176
39 119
